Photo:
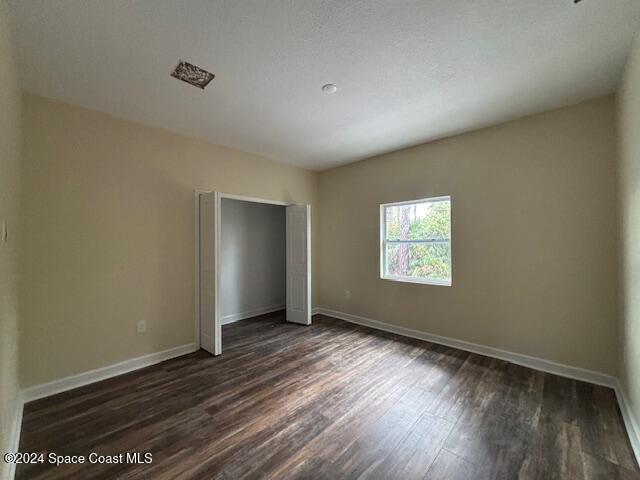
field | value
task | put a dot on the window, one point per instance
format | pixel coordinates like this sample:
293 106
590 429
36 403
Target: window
415 241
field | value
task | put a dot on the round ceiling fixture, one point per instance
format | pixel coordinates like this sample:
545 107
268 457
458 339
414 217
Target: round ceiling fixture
329 88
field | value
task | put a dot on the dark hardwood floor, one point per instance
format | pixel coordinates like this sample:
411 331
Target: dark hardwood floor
333 401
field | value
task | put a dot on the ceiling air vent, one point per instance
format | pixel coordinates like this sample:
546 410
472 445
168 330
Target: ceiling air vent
192 74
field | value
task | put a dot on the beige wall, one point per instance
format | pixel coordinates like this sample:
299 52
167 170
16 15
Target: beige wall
534 236
9 199
629 197
109 233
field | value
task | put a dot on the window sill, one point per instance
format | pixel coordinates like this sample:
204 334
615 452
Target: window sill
423 281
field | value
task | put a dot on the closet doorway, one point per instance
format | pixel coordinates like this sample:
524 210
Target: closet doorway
253 257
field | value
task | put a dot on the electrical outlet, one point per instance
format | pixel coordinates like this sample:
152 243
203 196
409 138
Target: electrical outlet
347 294
142 326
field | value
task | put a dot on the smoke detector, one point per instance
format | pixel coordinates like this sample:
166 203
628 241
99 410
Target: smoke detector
192 74
329 88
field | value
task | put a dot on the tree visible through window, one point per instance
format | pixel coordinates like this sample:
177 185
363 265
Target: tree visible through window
416 241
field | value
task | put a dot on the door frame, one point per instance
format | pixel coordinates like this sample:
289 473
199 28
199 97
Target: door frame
291 228
217 234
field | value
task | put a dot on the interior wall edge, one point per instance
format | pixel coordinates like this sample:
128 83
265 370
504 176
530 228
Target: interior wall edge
11 217
628 161
47 389
536 363
16 430
36 392
461 135
630 421
236 317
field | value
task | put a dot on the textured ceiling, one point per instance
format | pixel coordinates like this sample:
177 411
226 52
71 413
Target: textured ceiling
407 71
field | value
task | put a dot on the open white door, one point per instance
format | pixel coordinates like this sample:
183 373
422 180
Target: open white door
299 264
210 329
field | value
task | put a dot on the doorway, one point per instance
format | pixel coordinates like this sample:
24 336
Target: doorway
252 256
252 259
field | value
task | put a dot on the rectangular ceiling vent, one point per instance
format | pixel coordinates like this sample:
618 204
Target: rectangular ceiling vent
192 74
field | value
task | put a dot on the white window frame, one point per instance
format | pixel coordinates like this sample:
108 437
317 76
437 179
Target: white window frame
383 243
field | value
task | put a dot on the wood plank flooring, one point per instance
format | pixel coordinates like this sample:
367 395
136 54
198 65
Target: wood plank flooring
333 401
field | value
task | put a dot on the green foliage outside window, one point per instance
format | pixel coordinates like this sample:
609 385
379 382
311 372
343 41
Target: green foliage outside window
429 221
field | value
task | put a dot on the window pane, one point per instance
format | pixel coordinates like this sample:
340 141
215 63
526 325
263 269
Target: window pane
428 261
418 221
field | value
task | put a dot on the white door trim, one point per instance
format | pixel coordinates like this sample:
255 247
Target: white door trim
217 348
217 235
253 199
215 333
196 236
298 270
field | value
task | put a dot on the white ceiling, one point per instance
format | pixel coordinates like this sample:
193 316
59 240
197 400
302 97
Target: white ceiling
407 71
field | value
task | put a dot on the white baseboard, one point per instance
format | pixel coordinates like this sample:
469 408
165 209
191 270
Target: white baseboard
630 421
14 439
535 363
517 358
68 383
236 317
